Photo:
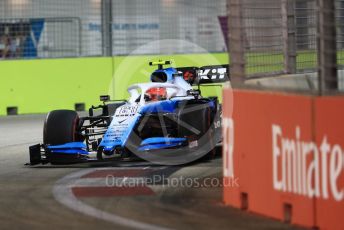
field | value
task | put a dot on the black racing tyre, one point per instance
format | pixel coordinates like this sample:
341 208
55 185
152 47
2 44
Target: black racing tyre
61 127
110 109
196 114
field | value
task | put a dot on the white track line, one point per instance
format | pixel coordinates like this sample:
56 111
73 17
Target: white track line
62 192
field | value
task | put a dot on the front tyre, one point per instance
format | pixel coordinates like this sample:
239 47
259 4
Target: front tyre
60 127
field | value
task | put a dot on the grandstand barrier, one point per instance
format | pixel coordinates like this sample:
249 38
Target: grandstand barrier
286 152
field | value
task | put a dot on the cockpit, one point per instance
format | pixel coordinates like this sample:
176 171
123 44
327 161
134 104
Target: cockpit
153 94
165 84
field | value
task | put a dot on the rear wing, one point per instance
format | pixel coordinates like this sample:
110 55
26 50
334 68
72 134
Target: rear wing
205 74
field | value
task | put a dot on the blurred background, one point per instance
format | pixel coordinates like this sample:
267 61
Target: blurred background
78 45
86 28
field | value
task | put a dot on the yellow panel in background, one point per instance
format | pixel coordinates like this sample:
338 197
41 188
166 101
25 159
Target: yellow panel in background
38 86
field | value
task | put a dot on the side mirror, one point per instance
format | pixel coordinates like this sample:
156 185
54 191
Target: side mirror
195 92
104 98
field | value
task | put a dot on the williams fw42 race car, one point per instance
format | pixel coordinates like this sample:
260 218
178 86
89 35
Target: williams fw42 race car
165 121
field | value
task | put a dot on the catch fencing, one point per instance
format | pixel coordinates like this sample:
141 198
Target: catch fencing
79 28
288 37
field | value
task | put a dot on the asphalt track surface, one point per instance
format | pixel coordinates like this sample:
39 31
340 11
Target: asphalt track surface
88 196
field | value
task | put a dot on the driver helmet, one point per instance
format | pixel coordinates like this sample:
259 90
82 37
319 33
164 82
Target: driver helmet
157 94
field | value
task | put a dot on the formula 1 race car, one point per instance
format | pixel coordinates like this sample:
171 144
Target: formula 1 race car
165 121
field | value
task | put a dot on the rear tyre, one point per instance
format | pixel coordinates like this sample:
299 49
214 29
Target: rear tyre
196 114
60 127
110 109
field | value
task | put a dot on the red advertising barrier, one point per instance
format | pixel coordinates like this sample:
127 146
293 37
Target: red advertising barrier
273 147
329 136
